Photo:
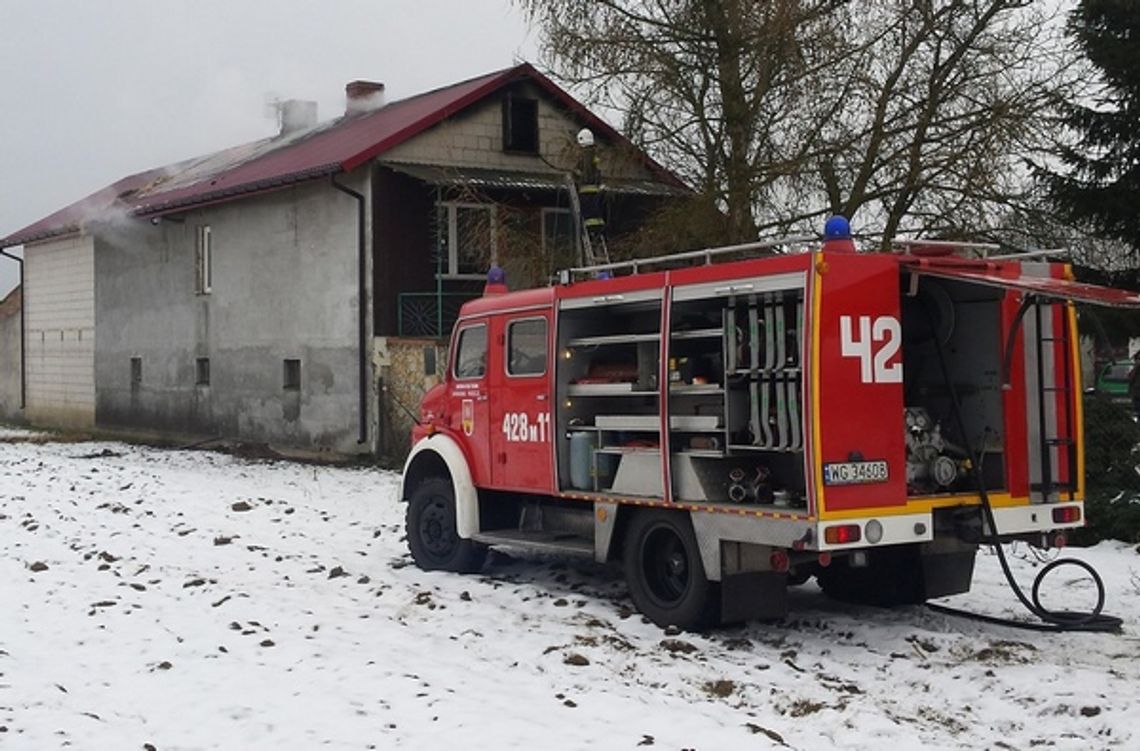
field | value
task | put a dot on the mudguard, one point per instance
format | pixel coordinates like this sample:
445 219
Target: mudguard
466 497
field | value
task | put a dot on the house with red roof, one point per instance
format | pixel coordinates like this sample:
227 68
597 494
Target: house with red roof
295 291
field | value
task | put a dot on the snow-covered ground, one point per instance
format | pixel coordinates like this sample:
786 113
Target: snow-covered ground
192 600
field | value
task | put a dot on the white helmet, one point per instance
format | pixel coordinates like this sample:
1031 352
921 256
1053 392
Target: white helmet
585 137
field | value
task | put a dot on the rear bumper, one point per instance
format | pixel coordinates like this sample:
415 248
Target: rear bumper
880 530
894 530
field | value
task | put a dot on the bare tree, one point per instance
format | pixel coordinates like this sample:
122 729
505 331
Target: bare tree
945 100
713 88
909 115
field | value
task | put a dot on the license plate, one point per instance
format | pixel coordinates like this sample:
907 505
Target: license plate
854 473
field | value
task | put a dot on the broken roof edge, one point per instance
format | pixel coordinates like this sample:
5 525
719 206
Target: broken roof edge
240 191
244 190
71 218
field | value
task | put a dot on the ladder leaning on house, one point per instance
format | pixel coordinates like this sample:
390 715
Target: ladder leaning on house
591 256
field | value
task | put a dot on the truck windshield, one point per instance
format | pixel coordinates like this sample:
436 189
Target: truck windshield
471 360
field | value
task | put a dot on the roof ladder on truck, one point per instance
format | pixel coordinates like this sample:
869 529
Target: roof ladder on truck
1058 444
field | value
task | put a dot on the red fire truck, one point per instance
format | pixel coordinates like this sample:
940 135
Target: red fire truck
726 426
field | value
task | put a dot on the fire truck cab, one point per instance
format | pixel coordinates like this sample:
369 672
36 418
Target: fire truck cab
726 428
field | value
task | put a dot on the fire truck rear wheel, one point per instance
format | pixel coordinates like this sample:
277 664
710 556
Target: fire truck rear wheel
664 571
432 534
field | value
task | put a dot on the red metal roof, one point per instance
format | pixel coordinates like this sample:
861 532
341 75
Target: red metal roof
338 146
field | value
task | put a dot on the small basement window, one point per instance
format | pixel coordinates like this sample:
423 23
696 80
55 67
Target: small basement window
292 381
202 371
520 124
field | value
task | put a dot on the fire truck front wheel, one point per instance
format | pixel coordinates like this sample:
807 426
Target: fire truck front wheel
432 535
663 569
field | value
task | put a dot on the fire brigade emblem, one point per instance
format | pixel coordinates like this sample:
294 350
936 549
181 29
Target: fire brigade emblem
468 416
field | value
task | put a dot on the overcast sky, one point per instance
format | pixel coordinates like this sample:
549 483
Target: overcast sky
94 91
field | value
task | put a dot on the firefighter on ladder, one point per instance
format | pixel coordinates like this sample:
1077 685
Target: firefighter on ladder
590 195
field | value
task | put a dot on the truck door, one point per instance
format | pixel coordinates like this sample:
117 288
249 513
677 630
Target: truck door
470 418
861 407
521 428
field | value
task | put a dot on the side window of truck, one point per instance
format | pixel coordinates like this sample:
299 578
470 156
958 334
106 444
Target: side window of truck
471 357
526 347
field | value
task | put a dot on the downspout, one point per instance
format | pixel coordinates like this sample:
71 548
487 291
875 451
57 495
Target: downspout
439 264
23 330
361 294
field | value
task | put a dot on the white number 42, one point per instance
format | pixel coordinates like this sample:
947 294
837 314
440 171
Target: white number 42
875 344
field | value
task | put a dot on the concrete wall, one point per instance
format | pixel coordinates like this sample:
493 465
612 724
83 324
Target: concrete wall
10 323
59 294
474 138
284 287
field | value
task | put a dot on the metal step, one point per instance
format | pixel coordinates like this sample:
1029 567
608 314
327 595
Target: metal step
556 542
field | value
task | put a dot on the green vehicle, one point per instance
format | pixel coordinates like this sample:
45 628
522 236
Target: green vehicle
1113 379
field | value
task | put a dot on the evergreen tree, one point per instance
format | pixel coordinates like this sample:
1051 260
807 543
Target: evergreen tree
1100 186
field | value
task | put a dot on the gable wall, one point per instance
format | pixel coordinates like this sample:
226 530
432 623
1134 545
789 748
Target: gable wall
474 138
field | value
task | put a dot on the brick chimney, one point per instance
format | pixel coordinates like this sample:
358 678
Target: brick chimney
297 114
362 96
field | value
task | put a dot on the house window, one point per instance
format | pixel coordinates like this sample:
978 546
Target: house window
526 345
520 124
202 271
136 372
292 380
467 239
471 357
202 371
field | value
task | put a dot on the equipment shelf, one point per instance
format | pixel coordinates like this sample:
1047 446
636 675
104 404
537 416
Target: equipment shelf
715 333
606 389
589 341
696 390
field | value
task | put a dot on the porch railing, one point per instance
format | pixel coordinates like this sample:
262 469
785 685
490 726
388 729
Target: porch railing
429 314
